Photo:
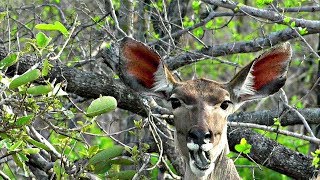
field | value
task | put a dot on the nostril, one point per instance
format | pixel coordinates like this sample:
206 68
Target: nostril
208 135
193 134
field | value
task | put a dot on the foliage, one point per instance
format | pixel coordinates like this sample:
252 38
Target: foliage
243 146
316 158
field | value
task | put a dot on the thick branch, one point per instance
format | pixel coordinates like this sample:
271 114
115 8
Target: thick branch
273 155
89 84
234 48
266 14
266 117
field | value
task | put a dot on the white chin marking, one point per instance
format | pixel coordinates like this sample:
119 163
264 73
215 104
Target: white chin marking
199 172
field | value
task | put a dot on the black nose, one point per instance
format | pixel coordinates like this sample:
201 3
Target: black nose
199 135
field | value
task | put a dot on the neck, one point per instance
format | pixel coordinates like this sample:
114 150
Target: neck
224 169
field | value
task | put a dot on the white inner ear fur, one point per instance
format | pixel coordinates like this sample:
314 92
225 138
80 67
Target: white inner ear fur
247 86
162 83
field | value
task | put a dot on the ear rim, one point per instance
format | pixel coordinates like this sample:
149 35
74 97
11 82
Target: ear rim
244 91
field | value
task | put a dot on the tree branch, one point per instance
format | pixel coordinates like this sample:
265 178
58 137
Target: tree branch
88 84
273 155
266 14
234 48
266 117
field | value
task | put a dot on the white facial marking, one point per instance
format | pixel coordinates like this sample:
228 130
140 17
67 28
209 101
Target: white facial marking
207 147
192 146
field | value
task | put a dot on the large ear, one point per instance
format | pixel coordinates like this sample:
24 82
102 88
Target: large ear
142 69
263 76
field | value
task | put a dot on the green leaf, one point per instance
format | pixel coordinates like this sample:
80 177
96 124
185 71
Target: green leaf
93 150
302 31
39 90
209 25
46 67
198 32
127 174
293 24
24 120
101 105
23 157
276 122
57 26
138 123
122 161
31 151
15 145
17 160
261 3
101 161
25 78
38 144
42 40
196 5
316 159
243 147
10 60
2 16
58 169
106 154
286 20
102 167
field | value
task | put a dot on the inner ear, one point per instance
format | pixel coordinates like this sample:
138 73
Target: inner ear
141 68
263 76
138 64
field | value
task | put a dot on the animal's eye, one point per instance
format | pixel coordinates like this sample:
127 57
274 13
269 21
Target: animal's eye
225 104
175 103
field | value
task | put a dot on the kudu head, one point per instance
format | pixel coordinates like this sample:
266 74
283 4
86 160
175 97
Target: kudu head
201 106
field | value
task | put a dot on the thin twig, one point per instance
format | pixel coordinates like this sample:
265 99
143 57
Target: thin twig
116 22
66 42
275 130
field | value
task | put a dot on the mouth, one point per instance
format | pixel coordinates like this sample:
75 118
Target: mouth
201 159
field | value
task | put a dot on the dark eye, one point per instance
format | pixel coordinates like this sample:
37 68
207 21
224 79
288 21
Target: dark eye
175 103
225 104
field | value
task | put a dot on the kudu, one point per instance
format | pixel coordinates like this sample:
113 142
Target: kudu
201 106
